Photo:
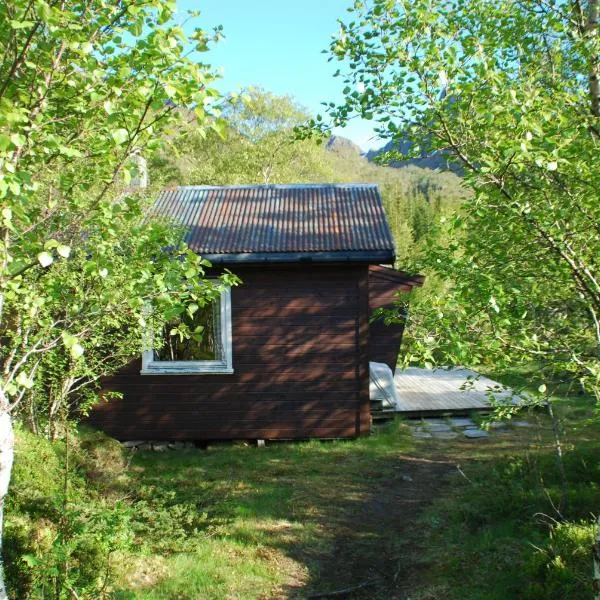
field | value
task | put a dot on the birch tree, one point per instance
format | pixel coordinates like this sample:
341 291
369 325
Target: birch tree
83 86
508 90
257 145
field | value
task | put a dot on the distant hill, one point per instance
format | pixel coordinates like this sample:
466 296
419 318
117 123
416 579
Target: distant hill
342 146
436 160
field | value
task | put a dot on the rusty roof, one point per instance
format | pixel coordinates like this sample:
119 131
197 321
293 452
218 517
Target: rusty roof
289 223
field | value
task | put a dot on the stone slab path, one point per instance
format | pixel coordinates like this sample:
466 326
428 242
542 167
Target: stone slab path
453 428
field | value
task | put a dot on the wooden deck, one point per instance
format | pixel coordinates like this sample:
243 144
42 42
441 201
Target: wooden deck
435 392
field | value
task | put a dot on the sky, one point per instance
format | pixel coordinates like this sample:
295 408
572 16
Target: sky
277 45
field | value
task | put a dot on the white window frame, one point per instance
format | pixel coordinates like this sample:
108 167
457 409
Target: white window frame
151 366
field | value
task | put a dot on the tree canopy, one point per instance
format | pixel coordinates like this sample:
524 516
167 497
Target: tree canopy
509 90
85 88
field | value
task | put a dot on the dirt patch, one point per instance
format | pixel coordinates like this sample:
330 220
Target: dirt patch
144 572
374 543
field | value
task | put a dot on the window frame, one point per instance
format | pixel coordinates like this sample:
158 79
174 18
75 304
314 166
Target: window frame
151 366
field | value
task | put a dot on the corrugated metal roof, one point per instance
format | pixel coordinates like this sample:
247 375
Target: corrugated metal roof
279 222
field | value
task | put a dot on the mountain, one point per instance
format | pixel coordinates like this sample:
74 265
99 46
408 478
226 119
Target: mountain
342 146
437 160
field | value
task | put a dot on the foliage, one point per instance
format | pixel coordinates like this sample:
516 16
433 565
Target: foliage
238 521
255 144
507 90
61 534
84 88
498 530
558 569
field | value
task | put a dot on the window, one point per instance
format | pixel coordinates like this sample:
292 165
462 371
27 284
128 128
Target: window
197 343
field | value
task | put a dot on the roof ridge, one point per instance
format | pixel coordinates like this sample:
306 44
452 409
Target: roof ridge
266 186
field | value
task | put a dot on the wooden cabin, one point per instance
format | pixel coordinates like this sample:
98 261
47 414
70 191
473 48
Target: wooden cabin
293 342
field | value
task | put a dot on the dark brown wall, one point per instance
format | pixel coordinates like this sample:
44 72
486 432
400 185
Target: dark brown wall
300 341
384 285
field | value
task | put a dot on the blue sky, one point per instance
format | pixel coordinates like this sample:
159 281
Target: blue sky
277 44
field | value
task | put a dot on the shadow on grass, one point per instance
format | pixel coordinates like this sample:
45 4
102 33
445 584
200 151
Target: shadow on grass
384 513
337 509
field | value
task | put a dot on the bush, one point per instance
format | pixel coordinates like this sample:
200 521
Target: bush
58 539
562 568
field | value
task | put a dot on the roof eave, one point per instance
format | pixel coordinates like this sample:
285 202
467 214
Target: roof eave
371 257
401 277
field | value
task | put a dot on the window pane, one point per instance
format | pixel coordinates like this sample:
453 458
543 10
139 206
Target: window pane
195 337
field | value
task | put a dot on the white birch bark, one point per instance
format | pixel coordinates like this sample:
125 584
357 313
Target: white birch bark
6 460
596 555
592 30
593 22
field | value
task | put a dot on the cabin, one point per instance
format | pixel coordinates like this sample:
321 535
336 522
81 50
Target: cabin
289 349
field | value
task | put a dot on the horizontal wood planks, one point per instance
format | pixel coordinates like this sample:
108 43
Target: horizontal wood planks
384 340
300 344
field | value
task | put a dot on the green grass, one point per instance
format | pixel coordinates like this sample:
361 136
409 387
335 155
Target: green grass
218 569
506 530
233 521
291 519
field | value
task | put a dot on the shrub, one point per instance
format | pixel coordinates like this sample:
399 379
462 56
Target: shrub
562 567
58 539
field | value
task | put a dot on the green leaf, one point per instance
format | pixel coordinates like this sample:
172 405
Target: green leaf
43 10
30 560
24 380
21 24
170 91
70 152
76 350
220 127
120 135
18 140
45 259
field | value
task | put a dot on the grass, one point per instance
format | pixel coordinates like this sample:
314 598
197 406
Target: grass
294 519
272 514
507 530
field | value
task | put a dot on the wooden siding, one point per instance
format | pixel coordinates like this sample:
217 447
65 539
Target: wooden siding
384 285
300 342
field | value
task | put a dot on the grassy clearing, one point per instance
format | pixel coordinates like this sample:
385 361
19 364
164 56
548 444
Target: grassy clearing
232 521
289 520
508 527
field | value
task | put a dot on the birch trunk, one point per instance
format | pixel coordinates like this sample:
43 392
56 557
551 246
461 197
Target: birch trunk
592 30
6 460
596 555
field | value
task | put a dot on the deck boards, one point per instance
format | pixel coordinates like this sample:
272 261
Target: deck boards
438 391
